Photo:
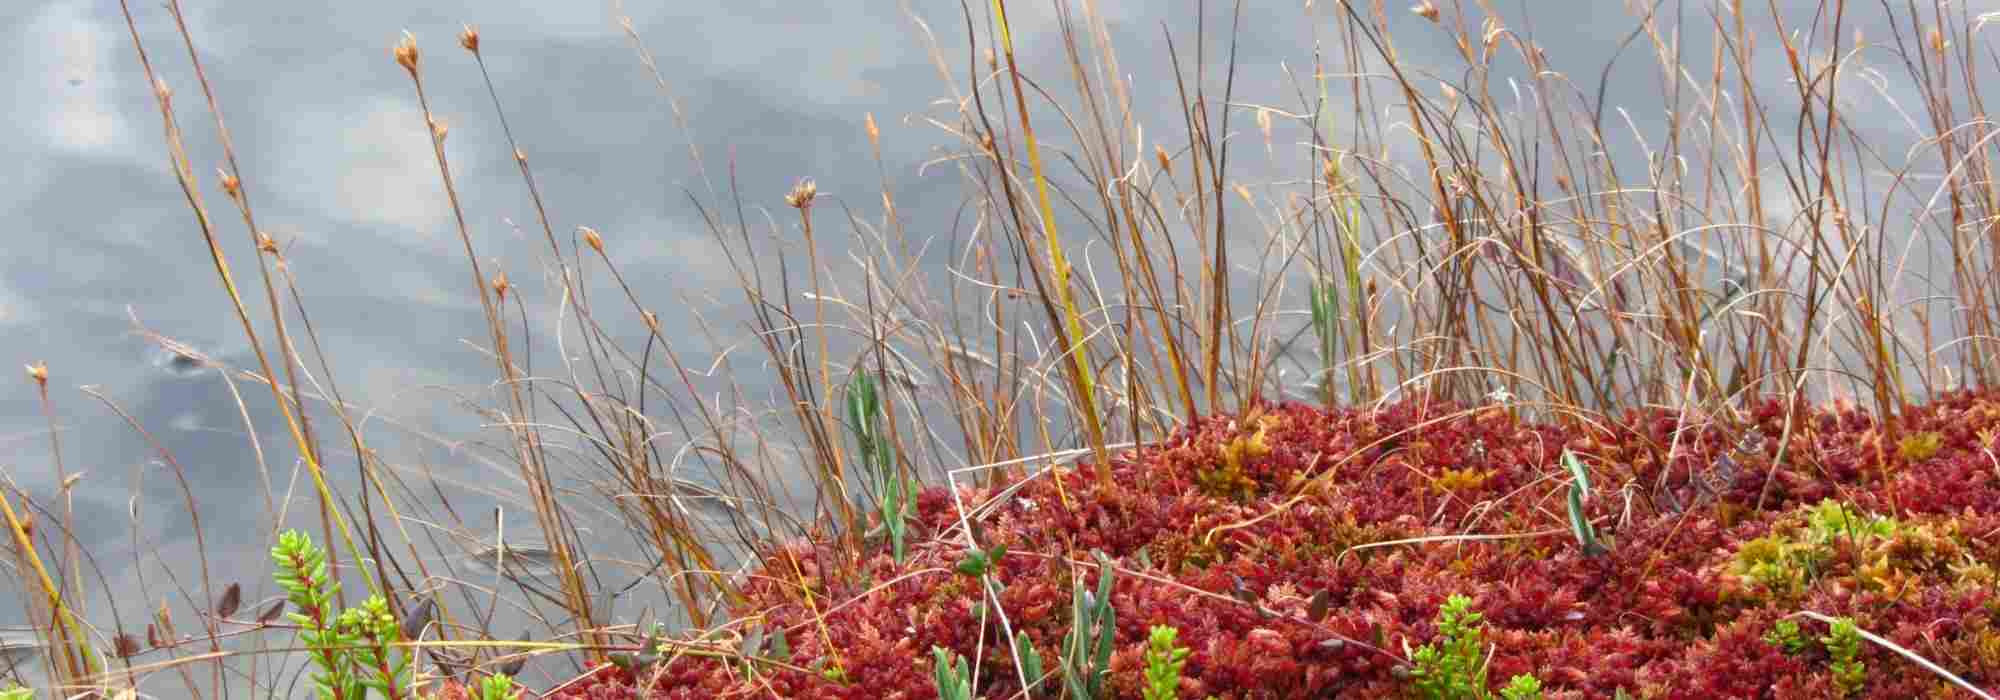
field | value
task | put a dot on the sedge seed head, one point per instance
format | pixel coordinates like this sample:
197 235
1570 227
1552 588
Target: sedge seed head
39 372
592 239
231 185
802 194
469 38
1426 9
501 285
406 53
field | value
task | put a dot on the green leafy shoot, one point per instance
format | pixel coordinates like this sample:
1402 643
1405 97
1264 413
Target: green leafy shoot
1164 661
1786 635
1522 687
1843 645
496 687
1453 667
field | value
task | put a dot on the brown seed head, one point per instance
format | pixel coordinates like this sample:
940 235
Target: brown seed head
39 372
406 53
1426 10
874 134
1166 163
439 128
590 238
652 320
469 38
986 143
125 646
802 194
266 243
500 285
230 184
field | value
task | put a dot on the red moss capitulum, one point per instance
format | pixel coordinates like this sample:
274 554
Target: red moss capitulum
1310 589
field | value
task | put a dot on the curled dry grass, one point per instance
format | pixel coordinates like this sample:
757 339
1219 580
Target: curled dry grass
1465 236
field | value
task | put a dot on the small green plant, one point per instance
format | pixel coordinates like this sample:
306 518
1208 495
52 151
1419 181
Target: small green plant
1843 644
496 687
979 562
1522 687
351 648
1163 664
17 693
1454 666
1785 634
894 492
954 681
1790 561
1832 520
832 671
1086 654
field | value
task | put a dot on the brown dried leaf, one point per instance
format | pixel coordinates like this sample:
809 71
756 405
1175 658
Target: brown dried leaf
232 598
1316 609
419 618
271 612
513 666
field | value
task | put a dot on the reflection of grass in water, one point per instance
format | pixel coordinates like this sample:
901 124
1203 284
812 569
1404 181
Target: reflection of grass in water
19 646
1510 261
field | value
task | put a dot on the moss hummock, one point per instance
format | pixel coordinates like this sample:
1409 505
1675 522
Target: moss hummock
1303 553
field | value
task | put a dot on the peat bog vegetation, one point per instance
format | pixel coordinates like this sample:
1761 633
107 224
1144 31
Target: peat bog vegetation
1496 394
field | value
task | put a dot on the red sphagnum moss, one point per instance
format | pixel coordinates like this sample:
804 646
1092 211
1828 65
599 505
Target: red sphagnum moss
1679 607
